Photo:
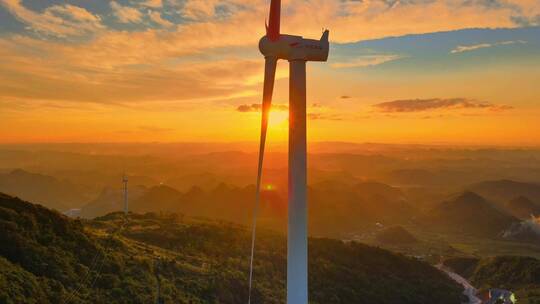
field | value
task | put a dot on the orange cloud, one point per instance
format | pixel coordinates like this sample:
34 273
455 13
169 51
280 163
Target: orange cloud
256 107
152 3
66 72
56 20
325 116
195 9
156 18
126 14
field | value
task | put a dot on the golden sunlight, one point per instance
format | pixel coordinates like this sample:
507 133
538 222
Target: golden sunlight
278 118
156 134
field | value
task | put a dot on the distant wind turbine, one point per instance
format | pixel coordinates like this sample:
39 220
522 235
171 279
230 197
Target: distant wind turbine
125 182
297 51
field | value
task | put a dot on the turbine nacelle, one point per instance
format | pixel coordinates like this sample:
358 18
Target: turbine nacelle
289 47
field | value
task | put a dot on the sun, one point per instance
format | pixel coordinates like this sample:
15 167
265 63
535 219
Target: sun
278 118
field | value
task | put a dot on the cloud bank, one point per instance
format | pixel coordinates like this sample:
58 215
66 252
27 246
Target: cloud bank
256 107
420 105
183 50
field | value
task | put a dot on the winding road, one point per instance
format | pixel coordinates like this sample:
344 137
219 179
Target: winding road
469 291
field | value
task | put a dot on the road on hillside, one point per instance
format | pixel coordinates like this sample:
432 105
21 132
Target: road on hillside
469 291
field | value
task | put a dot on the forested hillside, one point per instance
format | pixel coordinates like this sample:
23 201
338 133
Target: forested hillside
515 273
52 259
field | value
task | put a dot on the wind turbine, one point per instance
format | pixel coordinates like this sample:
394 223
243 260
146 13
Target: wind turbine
125 182
297 50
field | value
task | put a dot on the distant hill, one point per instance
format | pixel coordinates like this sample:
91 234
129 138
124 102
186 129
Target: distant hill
374 189
335 207
223 202
469 213
205 180
523 208
395 236
47 190
110 200
515 273
157 198
53 259
384 203
502 191
429 178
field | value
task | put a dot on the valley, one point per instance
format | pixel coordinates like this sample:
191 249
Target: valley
191 212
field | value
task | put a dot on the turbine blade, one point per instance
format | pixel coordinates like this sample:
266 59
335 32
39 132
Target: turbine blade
270 64
272 31
269 76
324 37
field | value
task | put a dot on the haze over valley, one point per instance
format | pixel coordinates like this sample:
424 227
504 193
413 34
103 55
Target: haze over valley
465 190
434 203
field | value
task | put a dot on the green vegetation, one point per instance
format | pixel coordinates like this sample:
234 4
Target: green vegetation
52 259
515 273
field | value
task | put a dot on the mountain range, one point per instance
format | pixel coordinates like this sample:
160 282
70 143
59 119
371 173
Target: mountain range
335 208
118 259
503 191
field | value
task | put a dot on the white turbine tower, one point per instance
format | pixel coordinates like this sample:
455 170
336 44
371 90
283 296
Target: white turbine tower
297 51
125 182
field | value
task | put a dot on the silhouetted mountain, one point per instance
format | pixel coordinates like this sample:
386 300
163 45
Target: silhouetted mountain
503 191
523 208
370 189
111 200
383 202
469 213
234 204
223 202
47 190
395 235
53 259
205 180
422 177
335 208
157 198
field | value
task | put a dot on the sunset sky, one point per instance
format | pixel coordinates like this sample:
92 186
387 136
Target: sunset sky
409 71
